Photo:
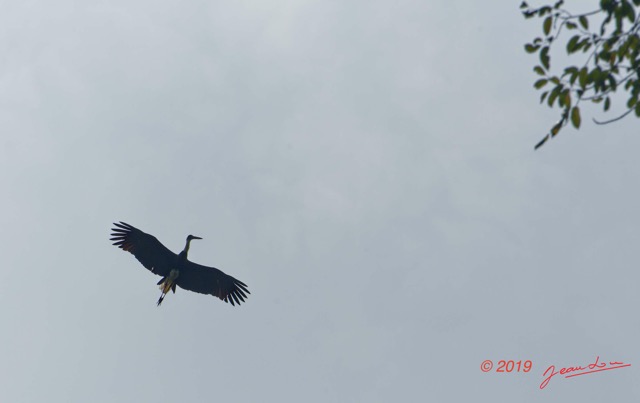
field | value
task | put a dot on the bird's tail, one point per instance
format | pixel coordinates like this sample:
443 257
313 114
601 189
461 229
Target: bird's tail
166 285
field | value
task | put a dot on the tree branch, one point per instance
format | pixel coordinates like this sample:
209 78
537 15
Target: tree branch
614 119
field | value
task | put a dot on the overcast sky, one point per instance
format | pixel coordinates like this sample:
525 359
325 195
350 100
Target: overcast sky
367 168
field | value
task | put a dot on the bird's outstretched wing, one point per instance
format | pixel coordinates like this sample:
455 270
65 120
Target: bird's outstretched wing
209 280
146 248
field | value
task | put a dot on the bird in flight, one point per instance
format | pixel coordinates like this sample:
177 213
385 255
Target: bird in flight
177 269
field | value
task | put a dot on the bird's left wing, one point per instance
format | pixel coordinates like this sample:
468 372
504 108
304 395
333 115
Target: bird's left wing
146 248
209 280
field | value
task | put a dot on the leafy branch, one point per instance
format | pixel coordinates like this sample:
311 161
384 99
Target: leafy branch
612 59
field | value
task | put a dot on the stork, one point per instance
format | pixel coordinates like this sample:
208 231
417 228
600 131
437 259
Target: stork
177 270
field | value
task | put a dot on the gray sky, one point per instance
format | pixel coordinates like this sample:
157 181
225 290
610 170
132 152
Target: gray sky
367 168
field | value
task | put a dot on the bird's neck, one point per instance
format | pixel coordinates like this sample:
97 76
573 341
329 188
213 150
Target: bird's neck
183 254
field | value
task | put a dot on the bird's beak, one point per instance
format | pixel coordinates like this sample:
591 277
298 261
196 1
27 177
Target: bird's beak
196 237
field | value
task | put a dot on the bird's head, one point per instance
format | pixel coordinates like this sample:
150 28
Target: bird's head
190 237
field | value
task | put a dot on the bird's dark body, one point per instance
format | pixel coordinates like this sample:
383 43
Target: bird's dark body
177 269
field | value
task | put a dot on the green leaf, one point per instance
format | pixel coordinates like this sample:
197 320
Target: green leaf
637 111
572 72
553 95
571 25
613 84
556 128
544 10
571 45
572 79
539 70
629 12
583 77
540 83
604 55
541 142
575 117
544 57
629 84
607 104
543 96
622 50
529 48
524 5
595 76
566 98
584 22
546 25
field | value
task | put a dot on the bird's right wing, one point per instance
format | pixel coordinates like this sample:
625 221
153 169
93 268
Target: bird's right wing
146 248
209 280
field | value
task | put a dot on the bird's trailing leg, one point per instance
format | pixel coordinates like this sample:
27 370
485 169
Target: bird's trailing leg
167 284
